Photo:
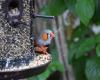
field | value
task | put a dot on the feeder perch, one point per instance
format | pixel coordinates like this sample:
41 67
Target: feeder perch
17 57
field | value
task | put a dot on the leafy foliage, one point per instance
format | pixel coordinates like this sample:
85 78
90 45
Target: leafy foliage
85 46
83 8
93 68
98 50
86 62
81 48
97 38
96 17
79 68
80 32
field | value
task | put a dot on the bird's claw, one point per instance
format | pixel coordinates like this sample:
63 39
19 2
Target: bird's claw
42 49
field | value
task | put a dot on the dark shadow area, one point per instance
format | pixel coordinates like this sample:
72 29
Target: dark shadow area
13 4
57 75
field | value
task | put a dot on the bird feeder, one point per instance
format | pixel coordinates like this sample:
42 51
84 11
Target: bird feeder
17 57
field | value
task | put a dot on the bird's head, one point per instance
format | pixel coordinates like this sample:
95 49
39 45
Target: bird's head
46 37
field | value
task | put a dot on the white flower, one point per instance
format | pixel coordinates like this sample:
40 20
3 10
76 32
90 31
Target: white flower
96 29
76 39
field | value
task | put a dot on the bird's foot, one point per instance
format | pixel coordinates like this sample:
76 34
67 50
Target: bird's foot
41 50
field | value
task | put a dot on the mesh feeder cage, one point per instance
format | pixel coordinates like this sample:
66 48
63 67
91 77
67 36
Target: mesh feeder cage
17 57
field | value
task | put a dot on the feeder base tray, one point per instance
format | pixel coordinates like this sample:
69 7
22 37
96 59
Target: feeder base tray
35 67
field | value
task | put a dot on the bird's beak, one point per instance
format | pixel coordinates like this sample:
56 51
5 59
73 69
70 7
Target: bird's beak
52 35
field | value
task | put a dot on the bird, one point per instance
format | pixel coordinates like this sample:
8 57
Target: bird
43 40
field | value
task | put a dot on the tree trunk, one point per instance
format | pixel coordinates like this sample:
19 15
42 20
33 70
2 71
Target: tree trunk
62 49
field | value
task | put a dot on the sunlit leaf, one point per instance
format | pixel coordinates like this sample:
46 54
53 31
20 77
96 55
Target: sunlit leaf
85 10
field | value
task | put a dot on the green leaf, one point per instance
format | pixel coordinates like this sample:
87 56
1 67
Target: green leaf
93 69
72 51
70 3
79 68
85 46
98 38
85 10
80 48
98 50
55 66
80 31
54 53
55 7
96 17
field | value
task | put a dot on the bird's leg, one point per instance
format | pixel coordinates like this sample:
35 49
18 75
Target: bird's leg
44 49
41 49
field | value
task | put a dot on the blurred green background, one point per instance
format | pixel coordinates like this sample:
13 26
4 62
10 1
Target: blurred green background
76 49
